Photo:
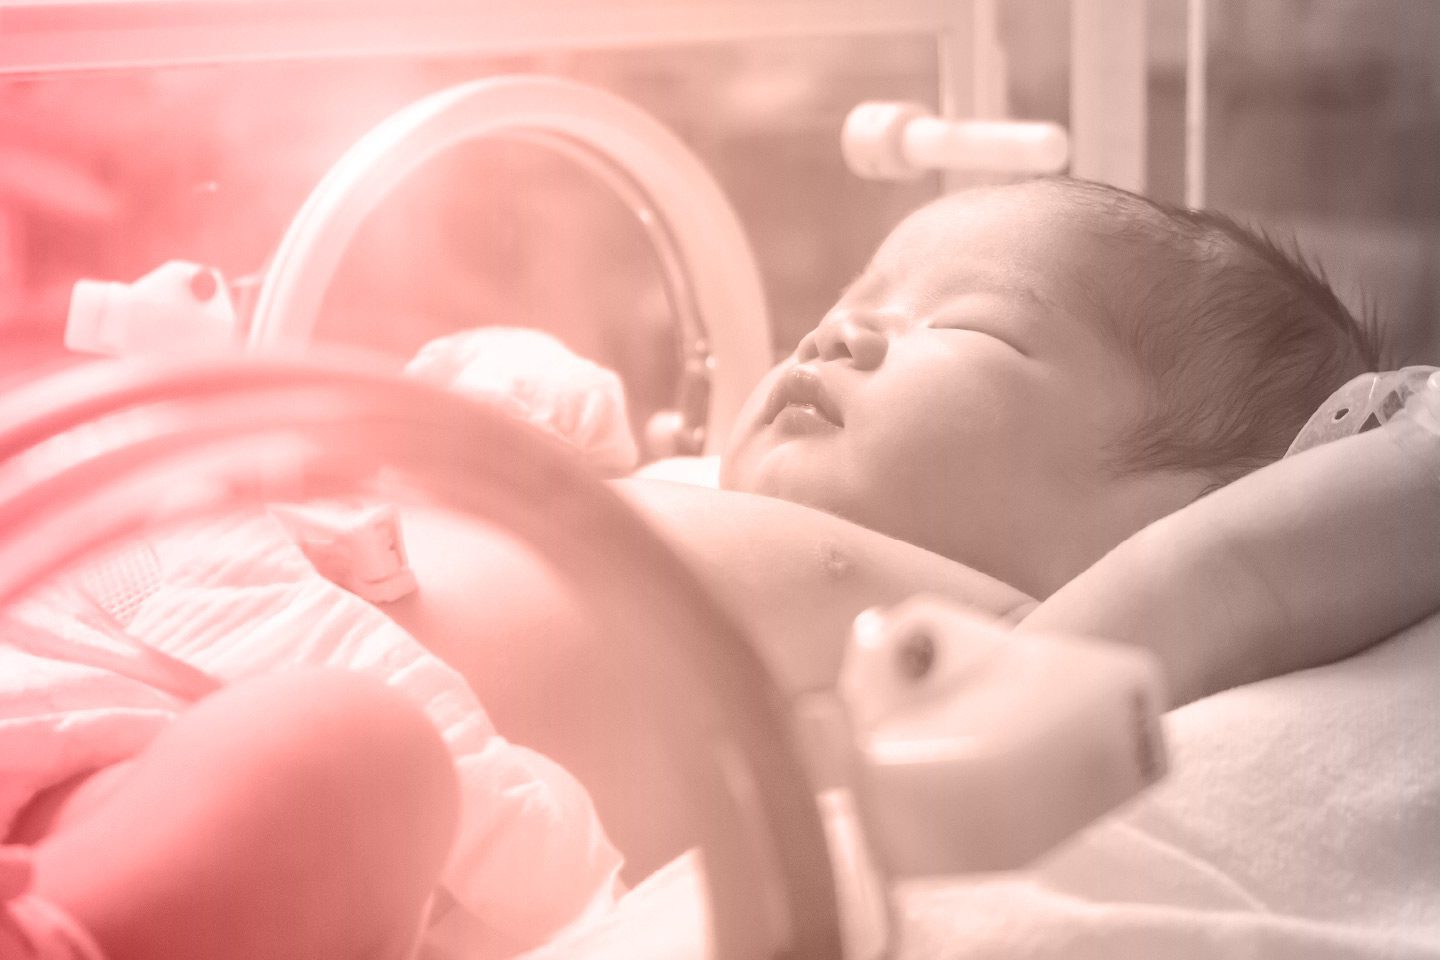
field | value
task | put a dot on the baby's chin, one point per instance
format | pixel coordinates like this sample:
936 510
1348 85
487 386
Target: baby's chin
754 466
734 476
770 479
740 467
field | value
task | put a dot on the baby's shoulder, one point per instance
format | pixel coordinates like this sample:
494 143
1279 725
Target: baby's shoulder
798 576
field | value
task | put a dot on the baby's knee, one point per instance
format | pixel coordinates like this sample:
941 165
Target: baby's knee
353 742
348 776
291 815
387 802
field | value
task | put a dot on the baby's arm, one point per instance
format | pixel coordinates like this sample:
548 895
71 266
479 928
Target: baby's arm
797 576
794 576
550 678
1302 563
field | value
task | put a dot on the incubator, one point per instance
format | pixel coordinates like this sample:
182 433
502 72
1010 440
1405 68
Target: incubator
946 747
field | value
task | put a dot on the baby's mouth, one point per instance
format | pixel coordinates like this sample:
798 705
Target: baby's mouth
802 387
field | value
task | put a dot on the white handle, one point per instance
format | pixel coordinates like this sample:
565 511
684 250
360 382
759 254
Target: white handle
979 749
177 306
901 141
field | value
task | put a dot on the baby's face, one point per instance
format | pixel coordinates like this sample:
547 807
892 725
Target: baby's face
956 398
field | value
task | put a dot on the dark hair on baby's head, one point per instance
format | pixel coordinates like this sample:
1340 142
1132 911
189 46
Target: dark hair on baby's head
1239 338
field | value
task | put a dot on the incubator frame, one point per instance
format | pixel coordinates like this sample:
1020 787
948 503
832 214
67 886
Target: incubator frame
720 360
243 431
1108 97
709 274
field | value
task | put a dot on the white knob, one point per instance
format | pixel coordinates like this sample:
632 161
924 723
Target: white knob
901 141
177 306
980 748
1428 408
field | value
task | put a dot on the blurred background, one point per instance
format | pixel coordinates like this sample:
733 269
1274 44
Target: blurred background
1324 122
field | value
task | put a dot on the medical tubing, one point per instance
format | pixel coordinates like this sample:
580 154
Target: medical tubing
245 432
139 661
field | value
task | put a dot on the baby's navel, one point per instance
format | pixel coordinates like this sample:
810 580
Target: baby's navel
836 563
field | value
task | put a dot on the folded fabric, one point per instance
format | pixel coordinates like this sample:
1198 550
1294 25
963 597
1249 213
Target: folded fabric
1301 820
533 376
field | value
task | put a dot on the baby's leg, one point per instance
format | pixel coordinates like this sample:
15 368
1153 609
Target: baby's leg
299 815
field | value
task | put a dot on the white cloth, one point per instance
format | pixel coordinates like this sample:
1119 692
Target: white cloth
237 599
1301 820
533 376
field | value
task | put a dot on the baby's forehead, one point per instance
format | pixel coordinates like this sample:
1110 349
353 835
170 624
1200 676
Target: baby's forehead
991 215
1007 241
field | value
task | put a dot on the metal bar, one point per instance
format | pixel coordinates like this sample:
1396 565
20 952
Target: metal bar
989 63
955 46
1196 61
45 36
1107 92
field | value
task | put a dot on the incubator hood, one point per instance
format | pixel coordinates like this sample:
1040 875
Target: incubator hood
267 426
711 283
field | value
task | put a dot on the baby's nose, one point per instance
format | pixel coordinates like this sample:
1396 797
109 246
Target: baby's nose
844 336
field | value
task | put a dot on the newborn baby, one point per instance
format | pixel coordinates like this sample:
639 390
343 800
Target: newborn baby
1022 380
1019 406
1025 376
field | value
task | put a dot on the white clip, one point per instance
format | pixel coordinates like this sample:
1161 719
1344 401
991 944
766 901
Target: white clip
358 547
177 306
1427 404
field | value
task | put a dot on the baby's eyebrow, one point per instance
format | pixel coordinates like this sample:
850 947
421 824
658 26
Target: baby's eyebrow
875 279
1011 282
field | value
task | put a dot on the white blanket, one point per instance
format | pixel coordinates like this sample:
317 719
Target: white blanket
1301 820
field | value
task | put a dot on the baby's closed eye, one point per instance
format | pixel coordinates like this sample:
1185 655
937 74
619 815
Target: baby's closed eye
960 326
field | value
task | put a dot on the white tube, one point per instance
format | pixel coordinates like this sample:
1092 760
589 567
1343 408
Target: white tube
902 140
1000 146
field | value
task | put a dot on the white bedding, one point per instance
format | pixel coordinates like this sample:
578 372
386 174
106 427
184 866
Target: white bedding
1301 821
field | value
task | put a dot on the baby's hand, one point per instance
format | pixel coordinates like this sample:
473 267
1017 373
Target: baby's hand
533 376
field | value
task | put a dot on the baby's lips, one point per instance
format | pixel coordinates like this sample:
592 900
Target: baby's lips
802 384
